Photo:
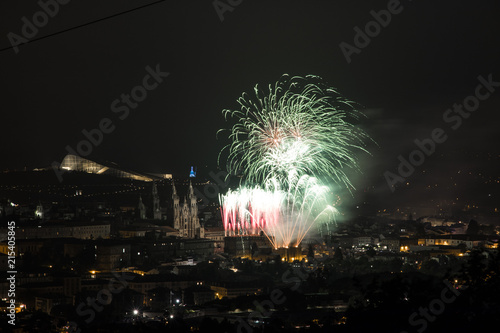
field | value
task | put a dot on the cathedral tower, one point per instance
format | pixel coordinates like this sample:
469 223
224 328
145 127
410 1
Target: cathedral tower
156 203
142 209
176 208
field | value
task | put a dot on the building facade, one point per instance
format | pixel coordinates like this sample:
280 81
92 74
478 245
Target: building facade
186 219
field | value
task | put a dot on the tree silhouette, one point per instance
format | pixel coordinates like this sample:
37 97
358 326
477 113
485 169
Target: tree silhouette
254 248
473 228
371 252
338 256
310 251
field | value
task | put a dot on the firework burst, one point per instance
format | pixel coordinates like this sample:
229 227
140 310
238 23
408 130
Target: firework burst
298 124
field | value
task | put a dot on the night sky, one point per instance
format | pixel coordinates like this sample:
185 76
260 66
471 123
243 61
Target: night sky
426 59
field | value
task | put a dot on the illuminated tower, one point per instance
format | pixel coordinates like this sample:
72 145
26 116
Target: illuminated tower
193 202
177 215
192 173
156 203
39 211
142 209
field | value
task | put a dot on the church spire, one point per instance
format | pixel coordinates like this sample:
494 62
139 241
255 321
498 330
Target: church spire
191 192
176 207
142 209
156 203
154 190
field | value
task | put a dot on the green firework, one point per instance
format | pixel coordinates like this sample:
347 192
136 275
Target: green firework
300 124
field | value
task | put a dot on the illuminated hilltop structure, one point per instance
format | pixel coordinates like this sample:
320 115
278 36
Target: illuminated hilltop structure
77 163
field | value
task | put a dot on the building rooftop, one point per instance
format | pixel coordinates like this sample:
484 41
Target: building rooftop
77 163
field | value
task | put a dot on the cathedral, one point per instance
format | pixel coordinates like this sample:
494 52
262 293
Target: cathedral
186 215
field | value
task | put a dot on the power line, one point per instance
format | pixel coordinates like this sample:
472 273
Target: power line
82 25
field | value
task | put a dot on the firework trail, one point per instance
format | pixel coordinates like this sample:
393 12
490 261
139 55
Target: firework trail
284 215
